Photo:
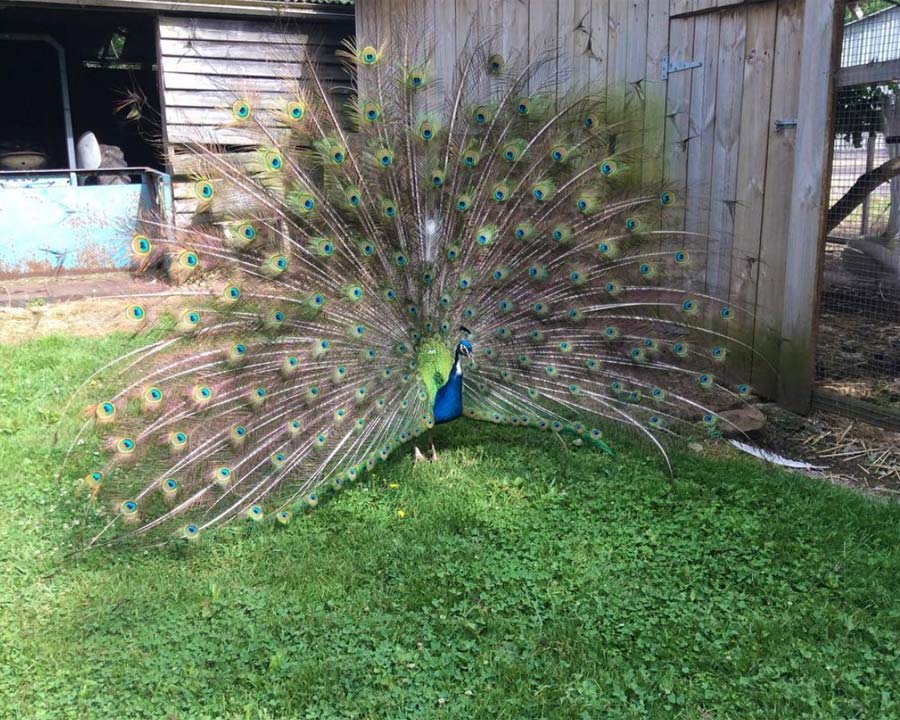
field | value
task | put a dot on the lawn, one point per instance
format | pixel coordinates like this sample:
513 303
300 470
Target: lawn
525 580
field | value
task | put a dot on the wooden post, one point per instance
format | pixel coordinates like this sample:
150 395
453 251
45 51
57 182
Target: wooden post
870 165
822 32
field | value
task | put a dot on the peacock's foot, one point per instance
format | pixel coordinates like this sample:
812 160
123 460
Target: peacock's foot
419 456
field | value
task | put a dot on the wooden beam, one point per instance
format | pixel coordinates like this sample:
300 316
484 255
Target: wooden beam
870 73
822 28
269 8
682 9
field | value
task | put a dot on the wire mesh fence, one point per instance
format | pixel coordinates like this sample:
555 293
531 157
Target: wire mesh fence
858 354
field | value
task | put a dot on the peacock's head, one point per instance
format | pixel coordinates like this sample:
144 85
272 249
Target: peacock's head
464 348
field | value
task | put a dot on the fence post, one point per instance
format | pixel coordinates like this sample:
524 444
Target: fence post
822 33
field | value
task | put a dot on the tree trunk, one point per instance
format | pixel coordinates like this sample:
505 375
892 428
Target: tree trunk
860 190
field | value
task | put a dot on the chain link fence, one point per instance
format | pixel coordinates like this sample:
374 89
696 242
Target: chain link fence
858 355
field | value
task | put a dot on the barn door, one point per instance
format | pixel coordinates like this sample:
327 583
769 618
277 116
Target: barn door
733 76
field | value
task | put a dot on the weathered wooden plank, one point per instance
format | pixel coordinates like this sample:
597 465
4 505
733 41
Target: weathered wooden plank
599 44
780 160
282 52
246 31
445 40
702 131
222 98
580 39
565 43
751 174
467 30
247 68
515 31
219 116
210 135
732 40
636 44
367 22
870 73
542 28
230 84
654 89
822 25
678 109
616 76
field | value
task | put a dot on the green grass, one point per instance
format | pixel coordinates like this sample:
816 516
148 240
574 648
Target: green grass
524 581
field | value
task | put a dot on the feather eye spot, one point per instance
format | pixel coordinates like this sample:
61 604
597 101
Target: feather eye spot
681 257
705 380
141 245
666 198
295 110
188 259
204 190
726 313
369 55
153 394
495 64
105 410
274 161
680 349
241 109
743 390
129 507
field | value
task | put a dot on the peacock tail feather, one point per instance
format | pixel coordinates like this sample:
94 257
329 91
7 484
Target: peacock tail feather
334 262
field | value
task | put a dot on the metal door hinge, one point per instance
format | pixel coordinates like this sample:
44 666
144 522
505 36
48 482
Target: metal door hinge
673 67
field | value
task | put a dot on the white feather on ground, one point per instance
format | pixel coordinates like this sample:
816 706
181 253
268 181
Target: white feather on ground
774 458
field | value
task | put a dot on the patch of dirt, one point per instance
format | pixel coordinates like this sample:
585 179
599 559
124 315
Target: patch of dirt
853 453
82 305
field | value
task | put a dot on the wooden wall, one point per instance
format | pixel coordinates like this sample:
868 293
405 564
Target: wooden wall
718 139
205 63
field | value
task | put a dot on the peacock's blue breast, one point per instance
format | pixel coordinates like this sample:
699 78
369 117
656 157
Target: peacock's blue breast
448 403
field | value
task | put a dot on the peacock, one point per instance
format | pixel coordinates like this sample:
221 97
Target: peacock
483 245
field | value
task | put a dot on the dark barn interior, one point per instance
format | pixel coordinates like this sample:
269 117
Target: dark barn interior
110 60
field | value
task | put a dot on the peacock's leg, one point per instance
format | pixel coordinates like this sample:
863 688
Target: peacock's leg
418 456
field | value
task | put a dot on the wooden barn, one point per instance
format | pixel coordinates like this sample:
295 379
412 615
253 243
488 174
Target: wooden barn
740 116
103 86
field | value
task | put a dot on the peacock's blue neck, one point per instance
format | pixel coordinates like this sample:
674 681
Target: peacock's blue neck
448 403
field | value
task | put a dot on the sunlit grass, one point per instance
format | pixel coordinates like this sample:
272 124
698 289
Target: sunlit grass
525 579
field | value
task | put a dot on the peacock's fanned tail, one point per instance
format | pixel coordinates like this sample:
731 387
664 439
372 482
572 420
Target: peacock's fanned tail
334 260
